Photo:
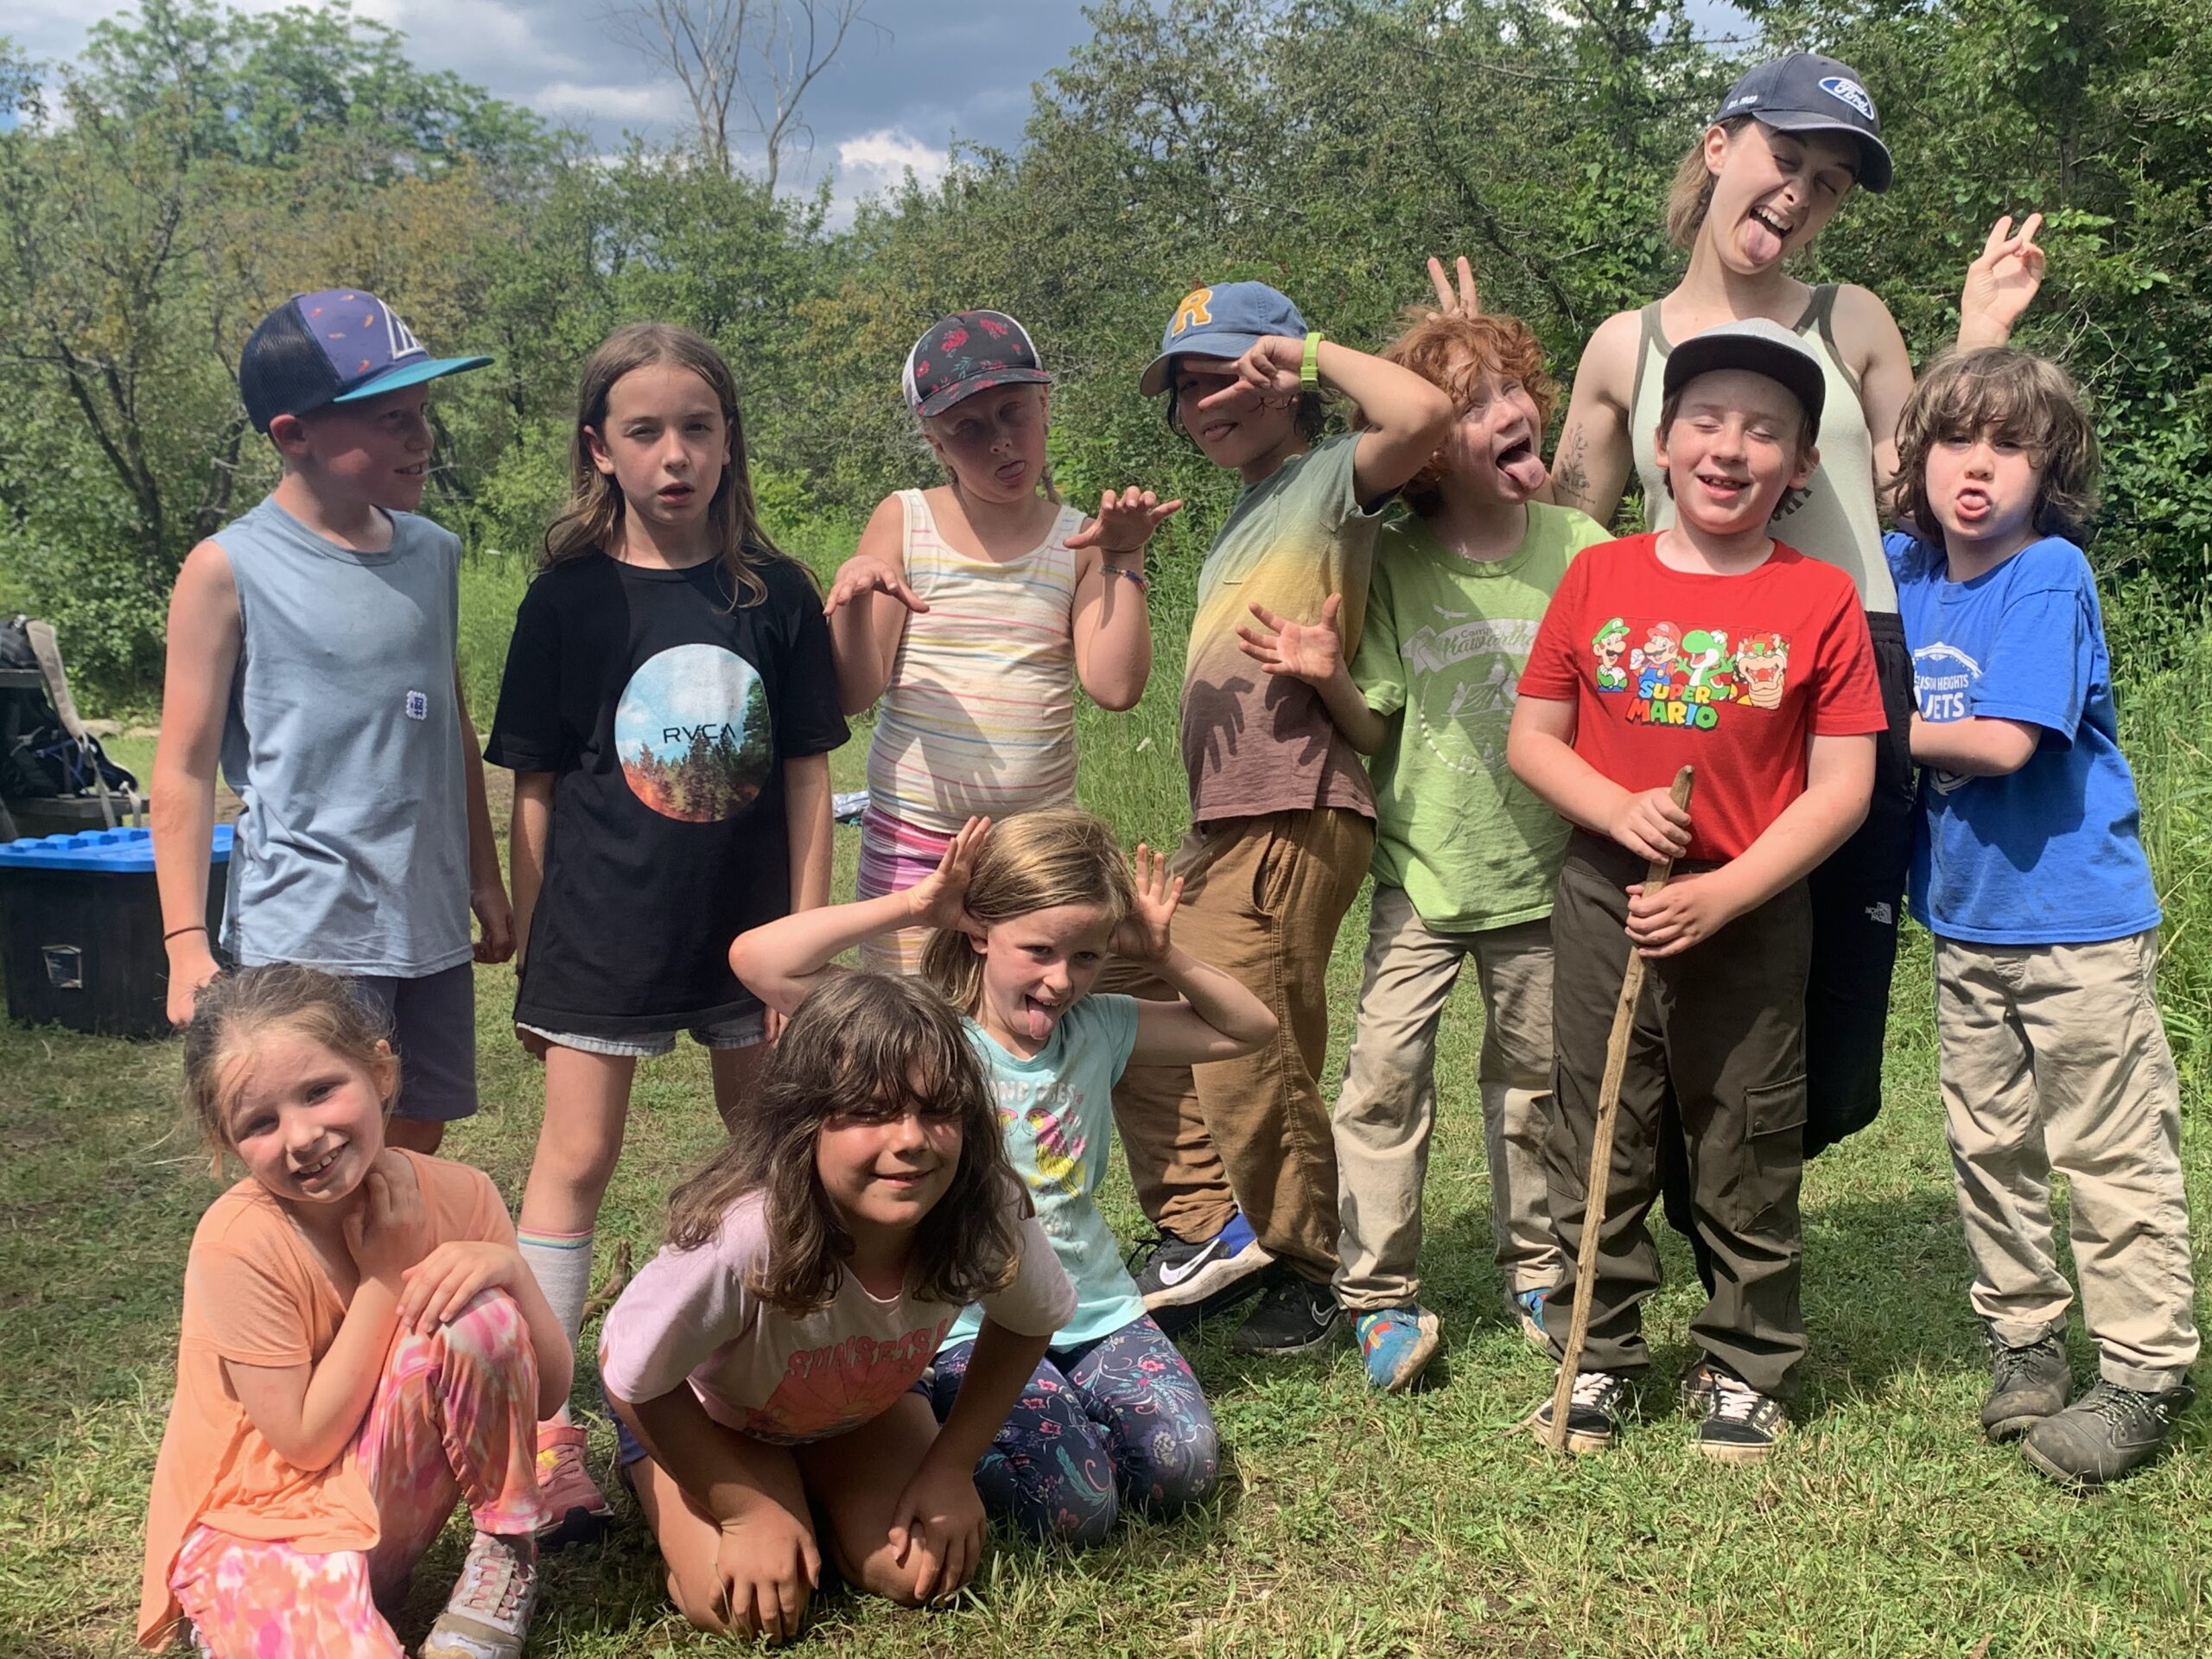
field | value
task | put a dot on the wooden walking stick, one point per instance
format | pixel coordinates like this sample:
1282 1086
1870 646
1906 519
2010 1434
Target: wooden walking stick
1601 1148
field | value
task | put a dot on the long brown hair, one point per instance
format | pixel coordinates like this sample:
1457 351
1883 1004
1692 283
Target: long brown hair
861 1046
233 1009
1036 861
1691 192
592 521
2013 395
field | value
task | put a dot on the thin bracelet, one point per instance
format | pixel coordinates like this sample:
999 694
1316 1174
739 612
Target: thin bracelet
195 927
1142 581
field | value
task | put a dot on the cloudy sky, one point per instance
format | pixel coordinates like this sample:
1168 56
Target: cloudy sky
894 98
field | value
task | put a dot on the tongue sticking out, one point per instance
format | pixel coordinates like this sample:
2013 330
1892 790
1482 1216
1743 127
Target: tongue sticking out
1524 467
1759 242
1040 1019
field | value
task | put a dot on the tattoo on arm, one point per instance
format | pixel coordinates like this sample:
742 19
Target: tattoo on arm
1571 477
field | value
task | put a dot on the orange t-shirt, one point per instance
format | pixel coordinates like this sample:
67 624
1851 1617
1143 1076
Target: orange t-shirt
255 1293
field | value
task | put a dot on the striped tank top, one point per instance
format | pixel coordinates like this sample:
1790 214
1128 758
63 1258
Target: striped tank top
979 717
1837 523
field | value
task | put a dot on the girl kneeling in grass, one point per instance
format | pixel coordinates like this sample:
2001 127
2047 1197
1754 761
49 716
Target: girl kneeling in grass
1025 916
763 1365
362 1344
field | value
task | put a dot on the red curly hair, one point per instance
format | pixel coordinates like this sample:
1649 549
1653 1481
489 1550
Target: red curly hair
1453 352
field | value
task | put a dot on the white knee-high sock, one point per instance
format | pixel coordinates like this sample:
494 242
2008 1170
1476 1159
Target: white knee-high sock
561 1262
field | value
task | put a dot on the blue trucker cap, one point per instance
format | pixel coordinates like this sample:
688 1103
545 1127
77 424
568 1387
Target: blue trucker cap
1806 92
334 347
1225 320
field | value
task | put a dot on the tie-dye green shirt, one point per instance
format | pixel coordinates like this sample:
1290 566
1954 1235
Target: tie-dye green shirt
1254 742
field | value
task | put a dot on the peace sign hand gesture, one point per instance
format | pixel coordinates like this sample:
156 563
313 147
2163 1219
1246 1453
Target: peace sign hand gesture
1466 302
2000 282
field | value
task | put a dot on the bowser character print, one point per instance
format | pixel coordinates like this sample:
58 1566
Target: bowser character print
1684 677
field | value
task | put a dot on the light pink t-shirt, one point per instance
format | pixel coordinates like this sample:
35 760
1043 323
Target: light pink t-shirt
785 1378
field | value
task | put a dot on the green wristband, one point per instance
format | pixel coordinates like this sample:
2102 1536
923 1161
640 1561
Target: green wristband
1309 368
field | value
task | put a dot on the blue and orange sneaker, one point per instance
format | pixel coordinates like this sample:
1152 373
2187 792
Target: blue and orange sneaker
1395 1344
1528 1312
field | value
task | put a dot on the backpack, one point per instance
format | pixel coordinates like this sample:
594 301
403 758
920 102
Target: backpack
41 756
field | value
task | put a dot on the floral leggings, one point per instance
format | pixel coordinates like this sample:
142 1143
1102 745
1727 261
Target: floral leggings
1102 1424
455 1413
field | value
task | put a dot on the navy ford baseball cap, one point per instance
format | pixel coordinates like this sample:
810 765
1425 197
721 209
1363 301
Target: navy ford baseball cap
1762 347
1225 320
966 353
1806 92
334 347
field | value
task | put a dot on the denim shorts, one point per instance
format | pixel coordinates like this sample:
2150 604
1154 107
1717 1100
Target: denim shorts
743 1032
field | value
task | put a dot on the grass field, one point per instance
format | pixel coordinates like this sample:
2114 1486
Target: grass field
1347 1525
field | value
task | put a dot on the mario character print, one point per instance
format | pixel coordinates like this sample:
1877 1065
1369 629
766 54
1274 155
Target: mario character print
1610 645
1763 665
1655 661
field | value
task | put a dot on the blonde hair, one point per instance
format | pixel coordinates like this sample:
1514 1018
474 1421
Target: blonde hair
861 1046
1691 193
1452 353
2017 396
592 521
1047 485
234 1010
1037 860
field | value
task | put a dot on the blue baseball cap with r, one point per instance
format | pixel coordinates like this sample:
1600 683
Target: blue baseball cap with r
1224 321
335 347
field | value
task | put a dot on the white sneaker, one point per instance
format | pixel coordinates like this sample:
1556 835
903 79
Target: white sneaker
488 1613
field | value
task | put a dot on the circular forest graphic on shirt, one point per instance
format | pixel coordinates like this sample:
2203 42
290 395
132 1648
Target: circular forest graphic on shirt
692 730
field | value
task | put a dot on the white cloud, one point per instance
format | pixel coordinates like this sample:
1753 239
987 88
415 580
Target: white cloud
632 104
870 162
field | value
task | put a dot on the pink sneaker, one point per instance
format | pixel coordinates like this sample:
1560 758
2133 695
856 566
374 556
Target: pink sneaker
577 1510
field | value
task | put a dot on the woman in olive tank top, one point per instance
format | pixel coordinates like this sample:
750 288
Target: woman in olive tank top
1792 138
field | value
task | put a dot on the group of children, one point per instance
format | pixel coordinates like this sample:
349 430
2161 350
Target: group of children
890 1307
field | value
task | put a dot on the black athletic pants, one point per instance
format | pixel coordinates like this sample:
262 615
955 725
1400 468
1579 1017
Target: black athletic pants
1858 903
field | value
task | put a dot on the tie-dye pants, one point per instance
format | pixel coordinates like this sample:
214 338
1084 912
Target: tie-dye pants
1121 1421
455 1415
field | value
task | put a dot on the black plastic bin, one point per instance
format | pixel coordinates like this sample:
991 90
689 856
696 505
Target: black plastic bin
80 929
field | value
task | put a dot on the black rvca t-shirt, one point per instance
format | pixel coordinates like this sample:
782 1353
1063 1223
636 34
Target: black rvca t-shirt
667 711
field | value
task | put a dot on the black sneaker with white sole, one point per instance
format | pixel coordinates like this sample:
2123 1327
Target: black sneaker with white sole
1176 1273
1741 1424
1294 1317
1595 1411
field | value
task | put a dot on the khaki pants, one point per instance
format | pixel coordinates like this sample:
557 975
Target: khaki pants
1262 900
2054 1058
1725 1022
1387 1106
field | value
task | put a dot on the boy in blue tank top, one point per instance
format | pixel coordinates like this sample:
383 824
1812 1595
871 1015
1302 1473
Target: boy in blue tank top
2028 866
311 646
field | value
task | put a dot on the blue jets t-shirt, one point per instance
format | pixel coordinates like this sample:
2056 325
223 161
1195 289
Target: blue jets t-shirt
2051 854
1056 1110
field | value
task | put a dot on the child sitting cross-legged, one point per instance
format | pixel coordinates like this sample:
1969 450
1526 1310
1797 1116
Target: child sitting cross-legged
1026 915
1465 858
2028 869
1780 728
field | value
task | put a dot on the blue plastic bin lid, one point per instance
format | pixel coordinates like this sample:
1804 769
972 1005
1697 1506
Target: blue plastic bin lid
118 851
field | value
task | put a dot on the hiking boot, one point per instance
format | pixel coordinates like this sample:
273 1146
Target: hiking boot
1176 1273
488 1613
576 1510
1395 1344
2108 1432
1741 1424
1595 1412
1529 1313
2027 1384
1295 1316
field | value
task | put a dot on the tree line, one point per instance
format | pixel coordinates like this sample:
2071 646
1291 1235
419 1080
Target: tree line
194 165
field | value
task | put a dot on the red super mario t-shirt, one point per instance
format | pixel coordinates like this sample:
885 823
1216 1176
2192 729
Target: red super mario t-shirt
1728 674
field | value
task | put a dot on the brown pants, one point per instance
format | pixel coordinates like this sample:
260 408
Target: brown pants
1725 1022
1262 901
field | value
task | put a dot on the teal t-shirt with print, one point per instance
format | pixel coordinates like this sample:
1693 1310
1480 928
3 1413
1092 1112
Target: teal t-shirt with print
1056 1110
1446 640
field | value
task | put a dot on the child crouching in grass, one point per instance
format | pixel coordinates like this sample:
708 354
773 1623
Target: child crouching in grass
1780 726
362 1346
1466 857
2028 866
